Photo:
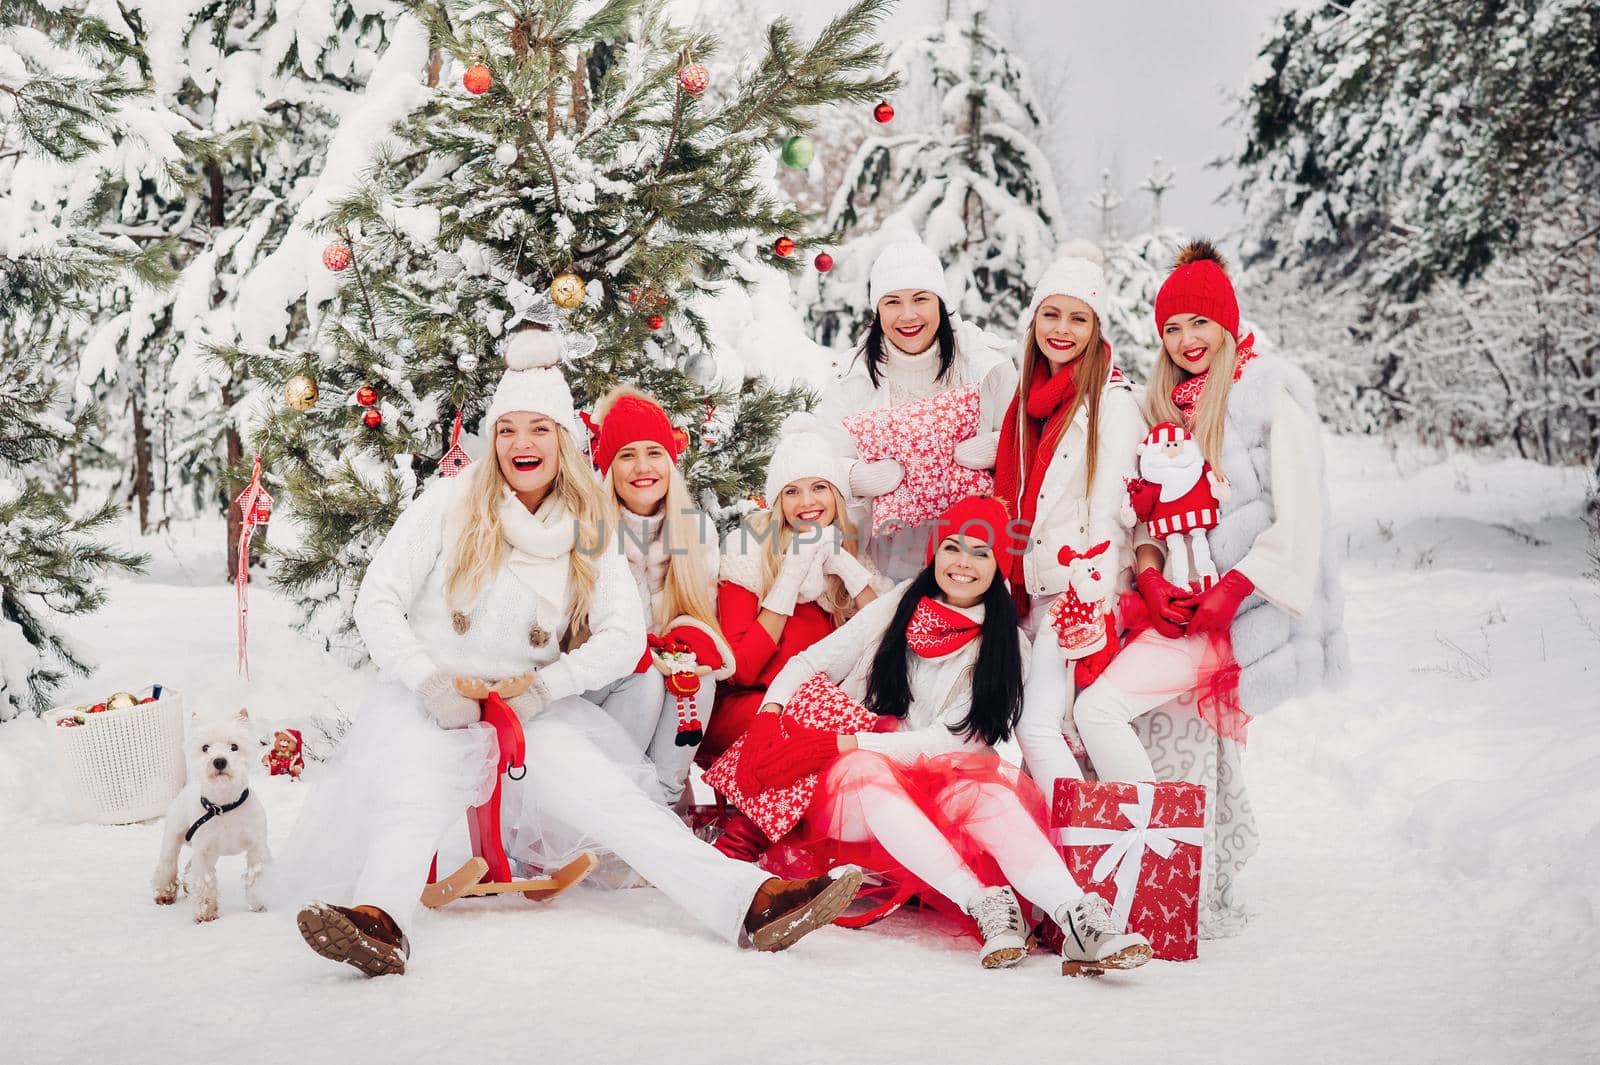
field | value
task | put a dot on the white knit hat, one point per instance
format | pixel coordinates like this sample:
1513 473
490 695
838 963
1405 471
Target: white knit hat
1079 272
906 264
803 452
533 381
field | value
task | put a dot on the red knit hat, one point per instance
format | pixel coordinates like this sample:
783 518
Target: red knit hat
631 417
981 518
1199 285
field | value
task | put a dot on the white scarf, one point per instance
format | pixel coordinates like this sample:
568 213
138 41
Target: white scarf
541 544
649 562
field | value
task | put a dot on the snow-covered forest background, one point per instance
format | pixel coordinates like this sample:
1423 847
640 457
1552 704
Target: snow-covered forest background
1407 194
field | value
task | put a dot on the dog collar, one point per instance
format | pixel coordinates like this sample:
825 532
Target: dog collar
213 810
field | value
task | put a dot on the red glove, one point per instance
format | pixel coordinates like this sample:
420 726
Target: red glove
1088 669
807 750
764 733
1214 609
1169 609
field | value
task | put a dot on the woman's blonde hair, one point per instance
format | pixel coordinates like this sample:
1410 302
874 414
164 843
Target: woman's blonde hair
685 590
1210 413
835 600
1089 374
481 550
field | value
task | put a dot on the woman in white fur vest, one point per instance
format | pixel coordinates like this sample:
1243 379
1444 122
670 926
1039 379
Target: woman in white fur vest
494 577
914 349
672 552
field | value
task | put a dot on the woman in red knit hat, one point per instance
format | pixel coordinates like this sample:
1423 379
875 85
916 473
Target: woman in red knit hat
672 552
1272 626
922 797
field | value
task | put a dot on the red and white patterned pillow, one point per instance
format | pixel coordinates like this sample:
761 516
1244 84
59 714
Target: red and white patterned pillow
818 703
922 437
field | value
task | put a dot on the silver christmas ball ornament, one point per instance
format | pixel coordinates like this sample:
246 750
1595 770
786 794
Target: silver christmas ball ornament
407 348
506 154
468 362
702 369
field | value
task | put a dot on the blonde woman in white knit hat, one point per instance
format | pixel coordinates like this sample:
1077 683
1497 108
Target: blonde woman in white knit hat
1071 436
502 576
914 349
790 575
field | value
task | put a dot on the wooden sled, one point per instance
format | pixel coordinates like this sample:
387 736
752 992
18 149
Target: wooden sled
488 872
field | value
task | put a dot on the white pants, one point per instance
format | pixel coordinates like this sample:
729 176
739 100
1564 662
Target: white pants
873 806
648 713
1047 697
569 781
1146 674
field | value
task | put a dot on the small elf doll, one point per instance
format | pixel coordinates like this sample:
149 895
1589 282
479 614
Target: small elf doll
1178 497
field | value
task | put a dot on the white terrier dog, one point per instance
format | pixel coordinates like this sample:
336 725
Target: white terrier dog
215 814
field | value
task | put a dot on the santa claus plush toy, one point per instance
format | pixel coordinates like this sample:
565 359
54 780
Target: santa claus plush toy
1178 497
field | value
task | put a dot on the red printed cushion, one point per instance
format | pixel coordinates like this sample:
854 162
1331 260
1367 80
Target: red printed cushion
922 437
818 703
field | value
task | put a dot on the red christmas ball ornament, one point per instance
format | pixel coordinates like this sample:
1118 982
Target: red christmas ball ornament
477 79
784 246
680 439
336 256
884 113
633 296
372 418
694 77
656 321
366 395
823 262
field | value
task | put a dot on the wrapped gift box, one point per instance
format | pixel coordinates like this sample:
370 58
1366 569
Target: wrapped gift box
1139 847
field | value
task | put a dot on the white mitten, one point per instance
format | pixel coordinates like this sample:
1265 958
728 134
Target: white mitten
979 452
444 704
868 480
848 569
792 574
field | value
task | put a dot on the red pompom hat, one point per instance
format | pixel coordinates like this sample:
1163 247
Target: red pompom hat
981 518
629 419
1199 285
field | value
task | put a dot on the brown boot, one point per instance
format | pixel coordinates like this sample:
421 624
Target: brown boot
363 936
785 910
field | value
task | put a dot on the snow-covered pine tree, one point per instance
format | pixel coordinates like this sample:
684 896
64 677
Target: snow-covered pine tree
249 93
1413 174
61 88
960 166
550 144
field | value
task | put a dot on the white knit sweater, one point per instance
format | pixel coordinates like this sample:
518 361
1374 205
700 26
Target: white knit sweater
941 688
406 625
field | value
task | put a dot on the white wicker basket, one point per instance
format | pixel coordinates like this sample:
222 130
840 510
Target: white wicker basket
124 765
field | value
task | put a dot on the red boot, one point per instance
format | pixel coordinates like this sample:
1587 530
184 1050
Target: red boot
742 838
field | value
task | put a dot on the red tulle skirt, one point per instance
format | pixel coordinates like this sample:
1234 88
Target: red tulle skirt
944 787
1216 684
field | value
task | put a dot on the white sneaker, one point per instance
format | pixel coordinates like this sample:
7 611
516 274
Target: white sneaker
1091 944
1000 921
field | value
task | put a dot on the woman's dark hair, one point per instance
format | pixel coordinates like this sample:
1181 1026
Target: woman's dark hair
872 347
996 678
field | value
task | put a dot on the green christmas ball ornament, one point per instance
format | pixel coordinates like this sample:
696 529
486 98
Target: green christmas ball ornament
798 151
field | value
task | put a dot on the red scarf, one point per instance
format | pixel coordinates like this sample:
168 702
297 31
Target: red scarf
1186 394
1050 397
937 629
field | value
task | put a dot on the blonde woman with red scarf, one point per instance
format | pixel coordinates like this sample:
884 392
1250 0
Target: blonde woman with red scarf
923 797
1067 443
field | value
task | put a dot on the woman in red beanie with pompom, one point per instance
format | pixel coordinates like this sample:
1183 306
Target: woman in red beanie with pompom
923 797
672 552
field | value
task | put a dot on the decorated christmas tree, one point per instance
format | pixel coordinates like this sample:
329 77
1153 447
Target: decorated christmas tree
957 161
61 93
557 164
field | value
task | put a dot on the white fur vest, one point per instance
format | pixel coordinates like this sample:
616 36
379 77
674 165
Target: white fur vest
1280 656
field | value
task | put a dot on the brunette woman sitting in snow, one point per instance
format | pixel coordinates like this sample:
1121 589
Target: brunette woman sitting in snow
491 578
875 747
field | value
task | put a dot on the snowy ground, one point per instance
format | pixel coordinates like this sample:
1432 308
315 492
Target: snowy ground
1428 887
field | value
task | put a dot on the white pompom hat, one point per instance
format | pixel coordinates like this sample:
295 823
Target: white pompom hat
1079 272
803 452
906 264
533 381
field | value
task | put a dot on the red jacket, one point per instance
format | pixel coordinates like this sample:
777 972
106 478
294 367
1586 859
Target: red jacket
757 659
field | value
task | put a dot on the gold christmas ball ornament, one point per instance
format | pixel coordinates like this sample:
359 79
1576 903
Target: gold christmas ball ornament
301 392
567 290
121 701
